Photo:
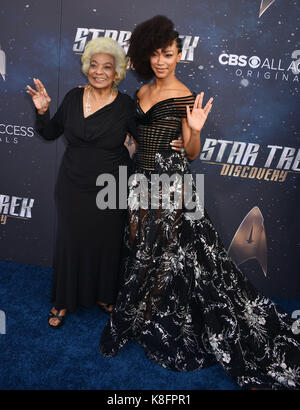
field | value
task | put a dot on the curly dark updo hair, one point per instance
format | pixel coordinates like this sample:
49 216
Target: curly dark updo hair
158 32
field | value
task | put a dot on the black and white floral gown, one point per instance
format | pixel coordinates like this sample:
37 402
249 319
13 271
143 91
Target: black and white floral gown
182 297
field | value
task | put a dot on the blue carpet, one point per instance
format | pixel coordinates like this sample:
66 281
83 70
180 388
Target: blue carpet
34 356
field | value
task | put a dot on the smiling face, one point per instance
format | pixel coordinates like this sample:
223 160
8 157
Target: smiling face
163 60
102 70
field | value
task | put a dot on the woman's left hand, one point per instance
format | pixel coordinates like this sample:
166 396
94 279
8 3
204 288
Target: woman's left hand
196 119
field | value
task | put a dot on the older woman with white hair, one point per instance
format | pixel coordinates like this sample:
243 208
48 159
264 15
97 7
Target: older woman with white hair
94 120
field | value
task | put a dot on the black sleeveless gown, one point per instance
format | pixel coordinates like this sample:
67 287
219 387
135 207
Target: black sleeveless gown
182 297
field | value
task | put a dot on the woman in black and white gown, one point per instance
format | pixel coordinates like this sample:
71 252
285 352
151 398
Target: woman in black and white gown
182 297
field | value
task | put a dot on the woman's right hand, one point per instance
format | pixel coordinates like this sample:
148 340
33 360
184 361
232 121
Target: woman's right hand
39 96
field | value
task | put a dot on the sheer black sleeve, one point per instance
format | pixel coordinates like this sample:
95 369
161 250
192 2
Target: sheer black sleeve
181 104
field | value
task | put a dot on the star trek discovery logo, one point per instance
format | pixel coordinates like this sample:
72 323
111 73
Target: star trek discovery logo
15 207
83 35
238 159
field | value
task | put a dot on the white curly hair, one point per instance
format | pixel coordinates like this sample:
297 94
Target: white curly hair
105 45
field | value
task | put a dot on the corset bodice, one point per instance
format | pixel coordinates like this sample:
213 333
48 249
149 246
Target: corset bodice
158 127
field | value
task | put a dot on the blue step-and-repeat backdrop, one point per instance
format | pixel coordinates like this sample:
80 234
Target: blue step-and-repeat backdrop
244 53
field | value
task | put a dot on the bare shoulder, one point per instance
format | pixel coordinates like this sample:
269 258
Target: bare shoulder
142 91
181 90
176 92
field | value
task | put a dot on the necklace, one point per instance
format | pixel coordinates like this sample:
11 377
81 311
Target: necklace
88 105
